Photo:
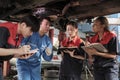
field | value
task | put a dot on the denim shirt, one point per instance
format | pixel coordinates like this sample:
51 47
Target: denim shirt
30 69
40 42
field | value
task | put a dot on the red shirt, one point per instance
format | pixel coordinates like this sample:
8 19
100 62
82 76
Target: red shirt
109 42
75 42
107 36
12 27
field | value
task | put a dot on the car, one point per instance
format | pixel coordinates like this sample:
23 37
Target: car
13 10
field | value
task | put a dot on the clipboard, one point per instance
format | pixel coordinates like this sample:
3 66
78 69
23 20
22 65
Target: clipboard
70 49
97 46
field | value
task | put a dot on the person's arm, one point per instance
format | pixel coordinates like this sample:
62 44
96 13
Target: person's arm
79 57
92 51
3 42
75 56
72 54
106 55
19 51
47 53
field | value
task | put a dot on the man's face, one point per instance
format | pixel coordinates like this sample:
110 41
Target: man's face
45 26
26 30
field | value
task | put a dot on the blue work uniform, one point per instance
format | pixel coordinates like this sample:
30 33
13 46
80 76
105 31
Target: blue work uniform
106 68
30 69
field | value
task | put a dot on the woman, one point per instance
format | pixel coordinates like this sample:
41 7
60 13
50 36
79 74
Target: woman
105 65
72 62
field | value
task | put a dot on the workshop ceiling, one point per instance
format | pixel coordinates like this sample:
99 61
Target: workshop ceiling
71 9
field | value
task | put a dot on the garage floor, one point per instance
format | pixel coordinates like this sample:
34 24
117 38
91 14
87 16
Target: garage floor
14 77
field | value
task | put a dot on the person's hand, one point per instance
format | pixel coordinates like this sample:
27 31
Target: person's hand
71 53
48 51
24 50
25 56
90 59
87 43
90 51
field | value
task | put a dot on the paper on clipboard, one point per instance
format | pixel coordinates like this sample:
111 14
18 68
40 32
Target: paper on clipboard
97 46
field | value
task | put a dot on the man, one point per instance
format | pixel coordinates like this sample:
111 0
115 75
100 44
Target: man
12 34
30 68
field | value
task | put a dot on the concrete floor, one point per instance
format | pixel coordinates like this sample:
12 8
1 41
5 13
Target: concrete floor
13 76
46 75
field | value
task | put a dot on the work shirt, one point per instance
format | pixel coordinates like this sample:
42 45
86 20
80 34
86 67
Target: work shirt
109 42
30 69
12 27
8 36
71 66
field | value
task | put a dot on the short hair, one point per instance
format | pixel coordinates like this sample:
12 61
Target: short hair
31 21
42 18
74 24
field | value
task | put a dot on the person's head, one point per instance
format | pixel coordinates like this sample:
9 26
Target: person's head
100 24
72 28
44 24
27 25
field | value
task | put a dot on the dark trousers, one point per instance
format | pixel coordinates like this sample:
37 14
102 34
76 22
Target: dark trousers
75 77
1 75
107 73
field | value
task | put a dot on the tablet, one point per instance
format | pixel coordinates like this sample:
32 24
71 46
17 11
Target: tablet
70 49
